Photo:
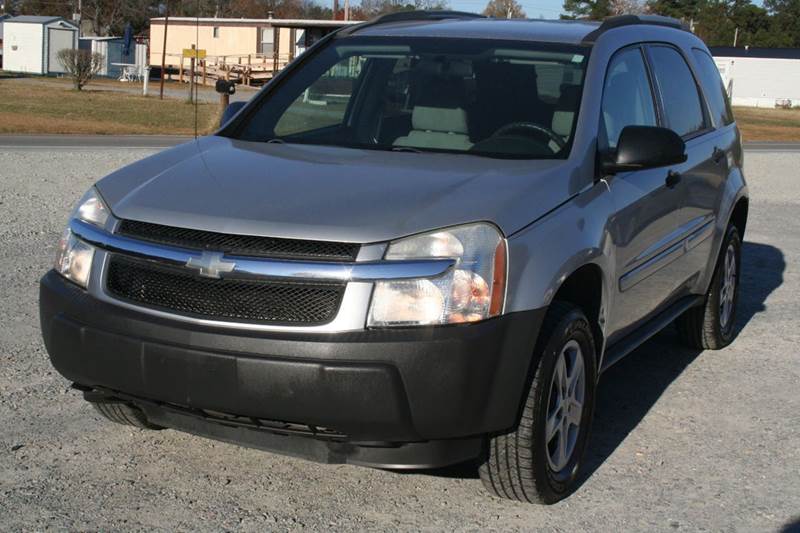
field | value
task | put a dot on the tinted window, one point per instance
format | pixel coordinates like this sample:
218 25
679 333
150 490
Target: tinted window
479 96
627 97
681 101
713 87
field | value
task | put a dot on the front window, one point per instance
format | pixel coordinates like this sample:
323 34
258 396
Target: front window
488 98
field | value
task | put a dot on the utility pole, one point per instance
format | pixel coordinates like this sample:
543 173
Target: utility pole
335 8
164 53
191 67
346 9
735 37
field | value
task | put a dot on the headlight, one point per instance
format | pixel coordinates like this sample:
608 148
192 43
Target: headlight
91 209
473 290
74 259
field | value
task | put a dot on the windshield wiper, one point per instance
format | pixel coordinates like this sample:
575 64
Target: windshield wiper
276 141
406 149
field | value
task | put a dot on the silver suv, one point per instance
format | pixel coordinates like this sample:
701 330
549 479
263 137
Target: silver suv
421 244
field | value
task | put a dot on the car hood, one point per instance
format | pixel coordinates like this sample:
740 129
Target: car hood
329 193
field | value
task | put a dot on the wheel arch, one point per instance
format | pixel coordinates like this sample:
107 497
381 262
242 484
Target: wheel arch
739 215
585 289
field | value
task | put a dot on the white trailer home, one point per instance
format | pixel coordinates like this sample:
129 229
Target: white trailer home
760 77
31 43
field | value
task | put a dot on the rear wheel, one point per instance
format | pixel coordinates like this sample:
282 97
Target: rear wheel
539 461
711 326
122 413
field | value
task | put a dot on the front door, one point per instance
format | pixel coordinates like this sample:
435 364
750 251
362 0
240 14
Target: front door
644 228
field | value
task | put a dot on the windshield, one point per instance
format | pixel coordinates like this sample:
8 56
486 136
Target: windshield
482 97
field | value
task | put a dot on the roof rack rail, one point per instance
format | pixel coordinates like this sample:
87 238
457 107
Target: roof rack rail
410 16
630 20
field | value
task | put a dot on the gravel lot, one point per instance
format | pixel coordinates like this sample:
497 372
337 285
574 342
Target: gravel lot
682 440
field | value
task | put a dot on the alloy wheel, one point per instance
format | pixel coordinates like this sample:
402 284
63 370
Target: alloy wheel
565 406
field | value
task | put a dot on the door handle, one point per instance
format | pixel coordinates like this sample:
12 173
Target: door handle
718 155
673 178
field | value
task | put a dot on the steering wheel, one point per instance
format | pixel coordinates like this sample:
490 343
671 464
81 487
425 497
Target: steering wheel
531 129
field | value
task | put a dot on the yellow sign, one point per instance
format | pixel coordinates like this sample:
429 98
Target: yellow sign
196 53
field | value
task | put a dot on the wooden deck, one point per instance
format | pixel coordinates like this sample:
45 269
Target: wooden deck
252 69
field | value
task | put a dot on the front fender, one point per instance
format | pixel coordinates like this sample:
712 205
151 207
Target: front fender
543 254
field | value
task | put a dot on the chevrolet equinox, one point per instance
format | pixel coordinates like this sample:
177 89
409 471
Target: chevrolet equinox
420 244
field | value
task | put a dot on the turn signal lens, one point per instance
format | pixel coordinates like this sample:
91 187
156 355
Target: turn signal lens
91 209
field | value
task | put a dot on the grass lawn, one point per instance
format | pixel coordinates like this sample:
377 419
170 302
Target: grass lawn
762 124
34 106
44 105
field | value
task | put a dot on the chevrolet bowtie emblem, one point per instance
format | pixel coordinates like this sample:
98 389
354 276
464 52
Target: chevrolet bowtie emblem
210 264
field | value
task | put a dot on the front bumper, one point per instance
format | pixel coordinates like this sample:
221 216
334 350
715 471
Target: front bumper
421 397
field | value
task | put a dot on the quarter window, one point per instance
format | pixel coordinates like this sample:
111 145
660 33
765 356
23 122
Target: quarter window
679 94
714 88
627 96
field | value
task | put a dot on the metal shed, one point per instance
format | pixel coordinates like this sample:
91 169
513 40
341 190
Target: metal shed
113 51
31 43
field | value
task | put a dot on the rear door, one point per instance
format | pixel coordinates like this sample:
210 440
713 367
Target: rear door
644 226
686 111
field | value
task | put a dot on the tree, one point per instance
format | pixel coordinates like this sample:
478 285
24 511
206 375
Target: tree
628 7
81 65
786 19
372 8
504 9
587 9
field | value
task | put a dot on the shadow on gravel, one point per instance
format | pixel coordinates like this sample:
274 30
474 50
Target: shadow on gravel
792 527
630 388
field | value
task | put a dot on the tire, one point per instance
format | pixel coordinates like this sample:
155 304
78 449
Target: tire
707 326
124 414
520 464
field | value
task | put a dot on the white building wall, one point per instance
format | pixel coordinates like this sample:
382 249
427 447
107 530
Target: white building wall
23 47
761 82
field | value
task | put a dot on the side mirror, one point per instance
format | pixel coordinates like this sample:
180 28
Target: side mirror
641 147
230 111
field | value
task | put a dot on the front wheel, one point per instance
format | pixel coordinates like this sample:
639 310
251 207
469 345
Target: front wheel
539 461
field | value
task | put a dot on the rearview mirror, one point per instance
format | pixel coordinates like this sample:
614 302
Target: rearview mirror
641 147
230 111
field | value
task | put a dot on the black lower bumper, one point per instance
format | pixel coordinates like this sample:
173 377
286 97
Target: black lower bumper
414 397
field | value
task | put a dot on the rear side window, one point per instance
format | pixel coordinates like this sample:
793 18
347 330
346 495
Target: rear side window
714 88
627 96
679 95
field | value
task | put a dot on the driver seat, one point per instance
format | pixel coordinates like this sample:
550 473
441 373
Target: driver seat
437 127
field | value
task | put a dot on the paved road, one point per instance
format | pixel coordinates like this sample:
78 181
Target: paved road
163 141
682 440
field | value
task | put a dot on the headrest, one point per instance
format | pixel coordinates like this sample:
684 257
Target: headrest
449 120
562 122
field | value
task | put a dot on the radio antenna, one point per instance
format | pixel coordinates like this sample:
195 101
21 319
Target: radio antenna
195 64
